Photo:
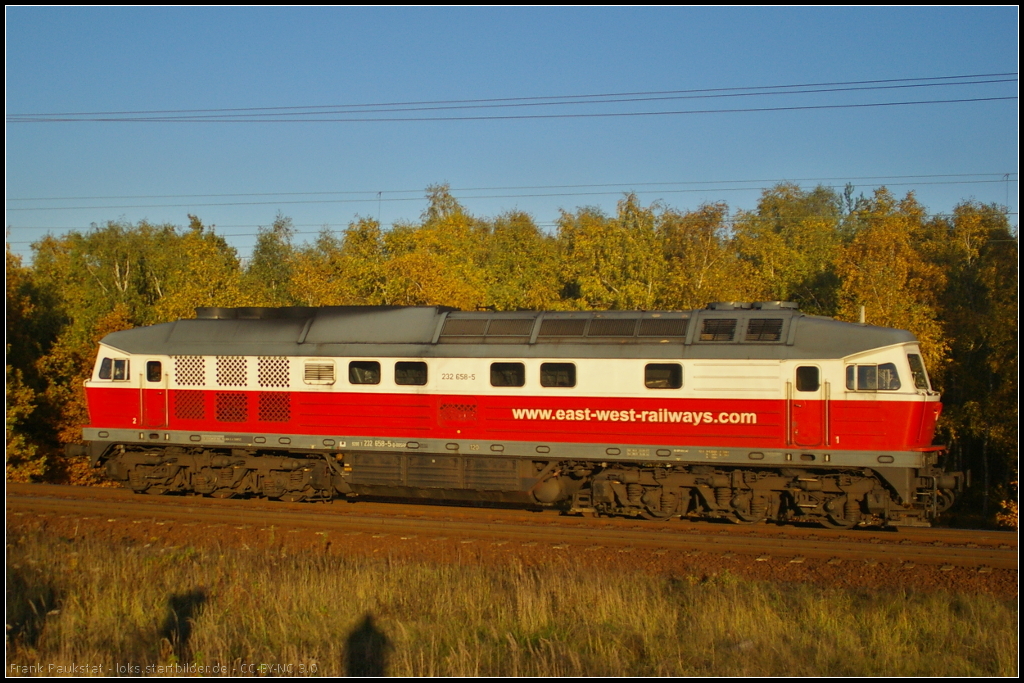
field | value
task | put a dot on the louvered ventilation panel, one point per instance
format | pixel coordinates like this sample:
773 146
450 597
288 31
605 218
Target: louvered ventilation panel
718 329
462 327
510 328
663 327
563 328
318 373
612 327
764 330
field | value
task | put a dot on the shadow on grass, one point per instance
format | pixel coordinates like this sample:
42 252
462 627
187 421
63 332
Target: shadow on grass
181 613
29 600
366 650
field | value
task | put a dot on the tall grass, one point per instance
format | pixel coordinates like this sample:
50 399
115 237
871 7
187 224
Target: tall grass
102 605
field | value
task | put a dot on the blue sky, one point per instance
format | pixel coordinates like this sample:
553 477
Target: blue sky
140 60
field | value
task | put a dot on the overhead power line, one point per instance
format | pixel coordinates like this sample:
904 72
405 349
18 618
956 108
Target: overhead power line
523 117
532 98
1003 176
320 111
289 202
357 112
340 227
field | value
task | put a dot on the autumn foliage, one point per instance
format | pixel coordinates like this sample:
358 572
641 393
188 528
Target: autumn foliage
949 279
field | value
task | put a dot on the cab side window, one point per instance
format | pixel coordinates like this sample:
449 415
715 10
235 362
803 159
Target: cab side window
917 370
872 377
154 371
114 368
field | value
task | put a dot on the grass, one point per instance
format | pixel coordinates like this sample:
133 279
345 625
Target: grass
147 610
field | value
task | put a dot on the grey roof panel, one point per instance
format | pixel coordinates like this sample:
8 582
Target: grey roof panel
818 337
410 332
236 331
374 325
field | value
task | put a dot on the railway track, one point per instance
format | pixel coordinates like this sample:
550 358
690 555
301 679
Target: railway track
944 549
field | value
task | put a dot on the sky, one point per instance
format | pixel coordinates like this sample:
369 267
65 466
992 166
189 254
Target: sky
513 111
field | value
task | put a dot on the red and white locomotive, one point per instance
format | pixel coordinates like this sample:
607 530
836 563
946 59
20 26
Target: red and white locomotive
743 412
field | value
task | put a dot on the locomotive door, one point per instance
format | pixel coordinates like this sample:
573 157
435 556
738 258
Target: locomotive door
807 415
153 395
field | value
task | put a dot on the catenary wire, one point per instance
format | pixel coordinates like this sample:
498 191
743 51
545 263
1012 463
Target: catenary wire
1002 176
290 202
241 118
526 99
523 117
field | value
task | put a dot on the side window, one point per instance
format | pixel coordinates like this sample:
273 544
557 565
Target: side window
917 370
508 374
872 377
557 374
364 372
888 378
120 369
154 371
411 373
867 378
663 375
807 378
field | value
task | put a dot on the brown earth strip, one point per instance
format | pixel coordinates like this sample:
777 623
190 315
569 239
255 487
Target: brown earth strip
919 560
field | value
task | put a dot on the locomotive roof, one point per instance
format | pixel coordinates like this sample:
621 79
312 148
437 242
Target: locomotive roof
768 330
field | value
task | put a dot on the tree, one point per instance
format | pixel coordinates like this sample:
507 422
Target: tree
979 318
204 271
791 243
521 265
346 271
612 263
702 264
441 261
882 271
81 287
25 457
267 280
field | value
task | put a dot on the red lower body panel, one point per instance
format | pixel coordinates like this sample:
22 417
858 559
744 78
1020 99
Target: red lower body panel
743 423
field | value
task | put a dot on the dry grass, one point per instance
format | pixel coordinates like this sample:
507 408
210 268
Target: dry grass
106 606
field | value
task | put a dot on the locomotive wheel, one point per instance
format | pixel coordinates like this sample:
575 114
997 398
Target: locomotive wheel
747 510
833 522
660 515
944 499
737 517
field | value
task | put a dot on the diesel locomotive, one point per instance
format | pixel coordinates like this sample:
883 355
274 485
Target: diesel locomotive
743 412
